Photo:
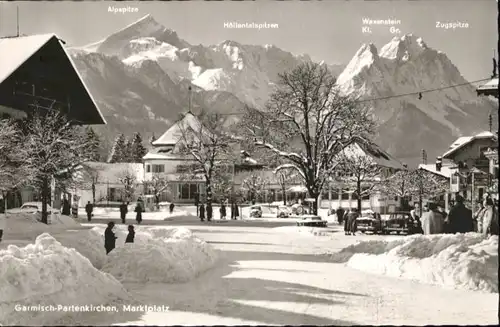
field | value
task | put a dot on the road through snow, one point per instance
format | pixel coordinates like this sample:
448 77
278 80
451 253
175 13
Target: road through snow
274 278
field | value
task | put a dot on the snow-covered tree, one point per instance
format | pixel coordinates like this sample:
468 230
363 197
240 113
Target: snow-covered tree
15 162
254 184
205 139
156 186
306 122
137 149
361 169
56 148
410 183
94 143
129 181
119 150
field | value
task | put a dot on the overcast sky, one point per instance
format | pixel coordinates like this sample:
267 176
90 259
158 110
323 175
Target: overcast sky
327 30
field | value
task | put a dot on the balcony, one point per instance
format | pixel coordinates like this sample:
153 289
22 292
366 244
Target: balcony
481 163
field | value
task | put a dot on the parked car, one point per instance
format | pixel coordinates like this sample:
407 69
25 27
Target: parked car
298 209
31 207
400 222
283 212
256 211
369 222
312 221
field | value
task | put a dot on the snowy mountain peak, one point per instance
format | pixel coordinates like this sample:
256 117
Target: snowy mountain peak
403 48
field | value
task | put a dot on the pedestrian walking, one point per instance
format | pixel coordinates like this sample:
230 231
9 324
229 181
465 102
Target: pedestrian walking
172 206
109 237
236 211
138 213
123 211
66 208
130 235
352 225
486 218
477 215
3 222
210 212
222 211
89 208
202 212
344 219
460 217
340 215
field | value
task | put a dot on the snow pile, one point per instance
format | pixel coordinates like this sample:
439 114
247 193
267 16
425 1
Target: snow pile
181 215
90 244
467 261
47 273
64 220
304 230
160 255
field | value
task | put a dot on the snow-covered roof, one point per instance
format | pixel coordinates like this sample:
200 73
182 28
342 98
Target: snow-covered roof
297 189
492 84
16 52
361 147
465 140
174 134
445 171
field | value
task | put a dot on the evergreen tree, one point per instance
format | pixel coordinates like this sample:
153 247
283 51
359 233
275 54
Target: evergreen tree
94 144
137 150
127 152
118 152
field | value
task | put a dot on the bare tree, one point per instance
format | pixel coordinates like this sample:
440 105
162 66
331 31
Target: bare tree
15 163
361 169
413 183
56 148
254 184
157 185
129 181
205 139
307 121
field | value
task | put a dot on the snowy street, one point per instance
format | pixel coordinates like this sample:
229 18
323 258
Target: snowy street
268 277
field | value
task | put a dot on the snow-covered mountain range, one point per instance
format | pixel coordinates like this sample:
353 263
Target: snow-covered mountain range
140 77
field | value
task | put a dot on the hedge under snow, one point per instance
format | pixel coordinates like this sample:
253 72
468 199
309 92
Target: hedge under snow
468 261
50 274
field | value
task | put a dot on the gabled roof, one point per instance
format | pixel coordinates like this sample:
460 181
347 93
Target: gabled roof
465 140
445 171
41 59
174 134
363 147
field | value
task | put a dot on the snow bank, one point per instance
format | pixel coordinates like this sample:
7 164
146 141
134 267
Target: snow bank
467 261
50 274
90 243
63 220
157 255
181 216
304 230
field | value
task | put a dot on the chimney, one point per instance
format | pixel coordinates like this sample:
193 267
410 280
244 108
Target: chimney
439 163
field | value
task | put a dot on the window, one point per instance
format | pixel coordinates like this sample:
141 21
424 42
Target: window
365 195
184 191
193 189
482 150
345 194
188 191
158 168
148 168
335 194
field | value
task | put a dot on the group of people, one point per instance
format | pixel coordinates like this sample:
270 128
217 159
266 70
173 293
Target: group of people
348 218
207 211
110 236
138 212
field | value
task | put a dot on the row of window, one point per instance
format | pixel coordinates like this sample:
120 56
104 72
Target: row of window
155 168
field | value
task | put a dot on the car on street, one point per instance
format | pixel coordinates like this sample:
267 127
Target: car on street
400 222
256 211
31 207
311 221
369 221
283 212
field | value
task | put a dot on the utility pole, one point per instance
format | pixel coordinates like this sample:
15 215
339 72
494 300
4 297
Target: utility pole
17 21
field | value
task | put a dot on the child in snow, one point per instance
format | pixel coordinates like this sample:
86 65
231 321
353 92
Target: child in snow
131 234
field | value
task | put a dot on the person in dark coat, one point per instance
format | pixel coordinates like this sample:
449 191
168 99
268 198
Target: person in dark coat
89 208
131 234
460 217
109 237
352 225
340 215
344 219
202 212
66 208
210 212
222 211
236 211
138 210
123 212
172 206
232 210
